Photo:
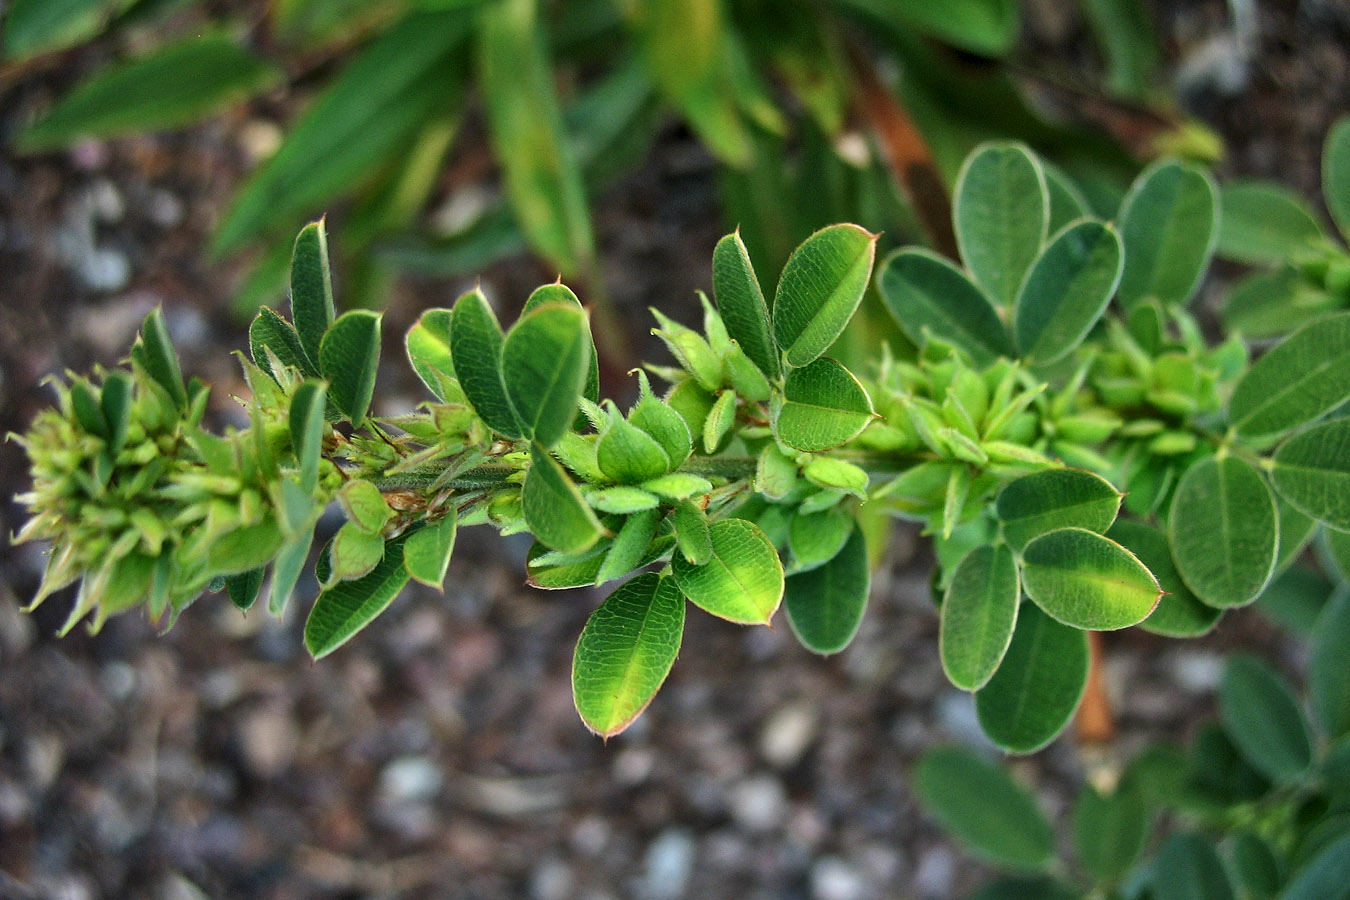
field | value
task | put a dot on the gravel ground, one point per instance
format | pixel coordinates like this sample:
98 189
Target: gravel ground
439 756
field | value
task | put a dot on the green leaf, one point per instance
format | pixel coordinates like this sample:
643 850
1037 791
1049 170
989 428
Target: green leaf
1043 501
625 652
1263 222
348 606
1067 203
290 561
816 538
821 286
693 534
1255 865
822 406
1335 544
476 342
926 293
1168 223
154 353
1038 685
743 579
719 421
825 605
984 808
554 509
244 588
1263 718
1224 531
984 27
1328 675
1127 37
622 500
360 122
658 419
629 455
548 573
1324 877
545 359
245 548
115 402
742 303
630 545
1302 379
312 307
1271 304
561 293
1336 173
979 612
354 552
678 486
364 505
349 357
1312 471
1188 868
428 348
177 84
1088 581
1179 613
1067 290
307 426
1108 831
426 555
33 27
1001 211
541 173
269 331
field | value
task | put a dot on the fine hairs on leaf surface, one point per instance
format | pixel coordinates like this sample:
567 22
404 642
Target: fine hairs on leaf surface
757 471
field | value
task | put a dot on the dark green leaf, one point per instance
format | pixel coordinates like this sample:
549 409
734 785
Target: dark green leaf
822 406
1038 685
312 308
426 554
545 358
1295 383
476 345
1336 173
630 545
825 605
742 581
1255 865
349 357
177 84
1067 290
290 561
1067 202
1088 581
1133 51
1108 831
307 427
742 303
542 177
33 27
625 652
1324 877
926 293
1263 718
1328 675
554 508
1271 304
270 331
154 353
1312 472
1188 868
979 612
1001 211
1263 222
1055 498
821 286
561 293
348 606
1168 223
1179 613
815 538
1224 532
985 809
244 588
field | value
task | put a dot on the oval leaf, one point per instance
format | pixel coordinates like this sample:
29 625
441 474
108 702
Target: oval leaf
307 425
1038 685
1168 223
270 333
545 360
1179 613
629 455
979 612
1263 222
1001 211
1263 718
553 507
1328 675
926 293
312 308
741 582
1067 290
1088 581
1336 173
1324 877
821 286
822 406
1188 868
1041 502
348 606
1108 831
349 357
476 345
428 347
742 303
1302 379
561 293
983 807
1312 472
815 538
625 652
1224 531
825 605
426 554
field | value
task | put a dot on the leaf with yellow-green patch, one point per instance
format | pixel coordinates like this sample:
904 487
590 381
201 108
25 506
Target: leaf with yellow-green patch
742 581
554 509
819 290
426 554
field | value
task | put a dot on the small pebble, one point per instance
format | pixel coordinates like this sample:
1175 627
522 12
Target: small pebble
552 879
788 733
668 865
758 803
268 740
410 779
834 879
104 270
1196 671
936 873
